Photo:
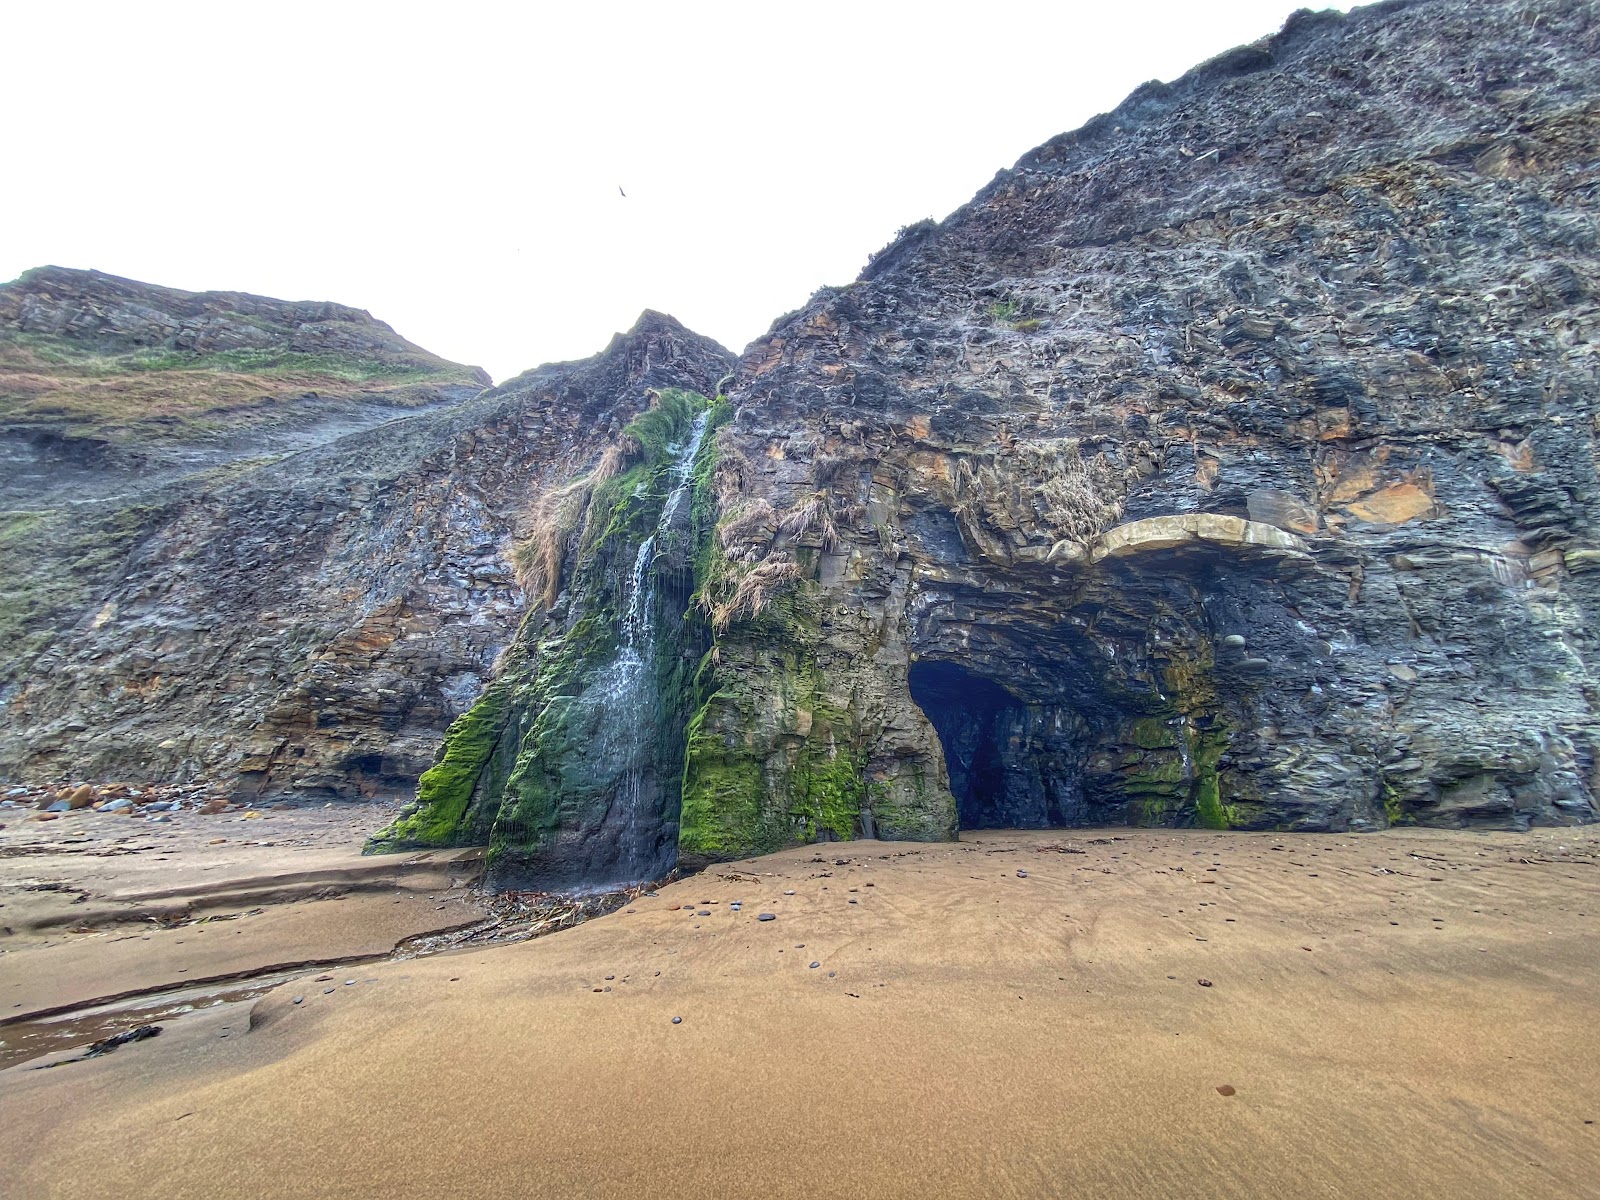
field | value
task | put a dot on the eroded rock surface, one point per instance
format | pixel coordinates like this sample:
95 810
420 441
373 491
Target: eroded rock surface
308 620
1230 461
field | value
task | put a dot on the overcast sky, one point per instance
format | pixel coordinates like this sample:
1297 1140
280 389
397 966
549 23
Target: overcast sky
456 168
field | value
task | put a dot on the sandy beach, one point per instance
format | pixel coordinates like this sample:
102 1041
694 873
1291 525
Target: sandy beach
1088 1013
103 914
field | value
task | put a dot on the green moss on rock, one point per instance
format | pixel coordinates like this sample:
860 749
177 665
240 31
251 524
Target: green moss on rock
445 790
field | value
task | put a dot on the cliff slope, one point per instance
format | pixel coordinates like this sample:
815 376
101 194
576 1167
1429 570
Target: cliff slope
1229 461
298 572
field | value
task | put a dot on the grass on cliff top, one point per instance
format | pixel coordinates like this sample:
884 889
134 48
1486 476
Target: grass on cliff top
50 382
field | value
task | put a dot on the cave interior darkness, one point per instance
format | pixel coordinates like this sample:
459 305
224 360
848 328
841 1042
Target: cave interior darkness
1012 765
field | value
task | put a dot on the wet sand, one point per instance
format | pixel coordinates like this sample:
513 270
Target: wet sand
98 906
1402 1014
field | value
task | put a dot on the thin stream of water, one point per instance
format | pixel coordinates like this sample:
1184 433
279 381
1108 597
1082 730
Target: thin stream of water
626 689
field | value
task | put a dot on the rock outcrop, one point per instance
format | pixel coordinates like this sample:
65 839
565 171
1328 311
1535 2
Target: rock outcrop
1230 461
298 595
1238 449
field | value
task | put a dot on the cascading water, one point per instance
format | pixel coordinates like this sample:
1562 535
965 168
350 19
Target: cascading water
631 708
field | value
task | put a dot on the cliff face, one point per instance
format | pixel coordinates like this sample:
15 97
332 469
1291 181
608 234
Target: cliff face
294 589
1230 461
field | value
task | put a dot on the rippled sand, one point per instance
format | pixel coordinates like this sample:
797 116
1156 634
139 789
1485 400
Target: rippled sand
1401 1014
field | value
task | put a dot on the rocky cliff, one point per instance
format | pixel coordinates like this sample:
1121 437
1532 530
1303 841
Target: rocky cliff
1229 461
297 573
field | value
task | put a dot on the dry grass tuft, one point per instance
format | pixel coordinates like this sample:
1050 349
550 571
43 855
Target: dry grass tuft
615 460
756 589
1044 489
750 525
554 518
812 515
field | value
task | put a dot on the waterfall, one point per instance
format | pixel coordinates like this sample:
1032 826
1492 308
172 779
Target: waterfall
626 690
1184 756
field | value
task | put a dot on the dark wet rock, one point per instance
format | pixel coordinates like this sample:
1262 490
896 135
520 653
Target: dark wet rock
107 1045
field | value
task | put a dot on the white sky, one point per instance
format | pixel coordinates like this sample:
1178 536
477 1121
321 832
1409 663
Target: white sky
454 167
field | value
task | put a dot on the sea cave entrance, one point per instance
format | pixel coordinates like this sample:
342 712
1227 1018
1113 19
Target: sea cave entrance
1012 764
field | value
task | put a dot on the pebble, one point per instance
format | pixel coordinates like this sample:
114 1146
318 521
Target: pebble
1203 982
704 912
790 892
767 917
815 965
1022 874
299 999
677 1020
327 991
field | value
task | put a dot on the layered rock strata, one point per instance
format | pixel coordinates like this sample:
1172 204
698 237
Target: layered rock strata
308 606
1229 461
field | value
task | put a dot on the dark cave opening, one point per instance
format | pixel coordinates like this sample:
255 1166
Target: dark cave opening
1012 765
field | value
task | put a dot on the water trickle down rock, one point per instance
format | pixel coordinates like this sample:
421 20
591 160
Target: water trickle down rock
625 693
569 765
